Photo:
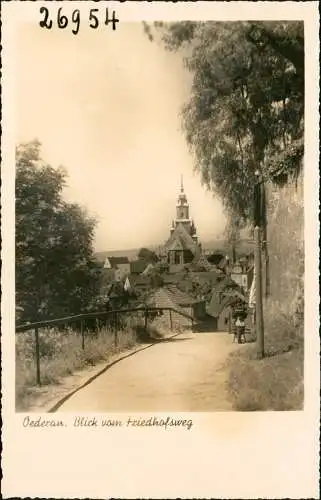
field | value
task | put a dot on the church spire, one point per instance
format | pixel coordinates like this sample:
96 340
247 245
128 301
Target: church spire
182 208
182 185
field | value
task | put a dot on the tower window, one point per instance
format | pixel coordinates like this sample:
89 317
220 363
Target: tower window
177 257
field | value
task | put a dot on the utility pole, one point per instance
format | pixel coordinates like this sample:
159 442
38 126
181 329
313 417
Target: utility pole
259 224
258 294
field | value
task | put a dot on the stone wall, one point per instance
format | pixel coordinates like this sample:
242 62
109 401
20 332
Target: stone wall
285 237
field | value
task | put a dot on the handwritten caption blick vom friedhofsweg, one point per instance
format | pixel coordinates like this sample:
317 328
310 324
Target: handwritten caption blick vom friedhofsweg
63 19
80 422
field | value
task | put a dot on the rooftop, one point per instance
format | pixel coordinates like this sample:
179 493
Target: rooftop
179 297
114 261
138 266
162 298
181 239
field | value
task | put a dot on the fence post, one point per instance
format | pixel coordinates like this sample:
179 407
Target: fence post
171 319
145 313
37 356
115 329
82 334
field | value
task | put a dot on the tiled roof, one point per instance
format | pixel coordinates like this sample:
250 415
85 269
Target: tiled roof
215 306
138 266
226 283
148 269
180 239
236 294
222 263
138 279
216 258
207 276
114 261
162 298
201 260
228 297
179 297
173 278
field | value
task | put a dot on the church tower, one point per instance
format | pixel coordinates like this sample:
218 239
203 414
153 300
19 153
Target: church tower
182 213
182 247
182 207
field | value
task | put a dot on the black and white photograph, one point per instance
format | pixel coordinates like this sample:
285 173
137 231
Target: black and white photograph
175 221
161 215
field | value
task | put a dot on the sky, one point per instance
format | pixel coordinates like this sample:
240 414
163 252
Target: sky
106 105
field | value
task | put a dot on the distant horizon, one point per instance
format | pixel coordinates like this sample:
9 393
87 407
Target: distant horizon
151 246
206 245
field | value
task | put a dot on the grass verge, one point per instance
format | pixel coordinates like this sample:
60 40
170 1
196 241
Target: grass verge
61 354
275 382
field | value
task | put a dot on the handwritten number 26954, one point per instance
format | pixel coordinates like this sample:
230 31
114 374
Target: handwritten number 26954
63 21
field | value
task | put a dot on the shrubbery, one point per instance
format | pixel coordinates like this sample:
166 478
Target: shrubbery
56 273
61 352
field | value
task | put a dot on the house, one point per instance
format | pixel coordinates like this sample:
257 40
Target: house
223 264
250 276
201 263
181 248
148 269
223 311
197 284
242 273
139 282
239 275
225 296
215 258
120 265
193 307
211 277
138 266
162 298
109 276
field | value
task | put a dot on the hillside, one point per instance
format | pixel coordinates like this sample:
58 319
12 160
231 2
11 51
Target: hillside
245 246
130 253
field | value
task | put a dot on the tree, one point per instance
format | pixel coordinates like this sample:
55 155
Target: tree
245 112
161 267
232 234
156 280
147 255
56 273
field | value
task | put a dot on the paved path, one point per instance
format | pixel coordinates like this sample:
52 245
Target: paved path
180 374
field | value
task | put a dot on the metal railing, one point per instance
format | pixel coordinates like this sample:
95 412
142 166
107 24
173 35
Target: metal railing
82 319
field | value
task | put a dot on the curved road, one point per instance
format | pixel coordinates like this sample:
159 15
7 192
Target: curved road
183 373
